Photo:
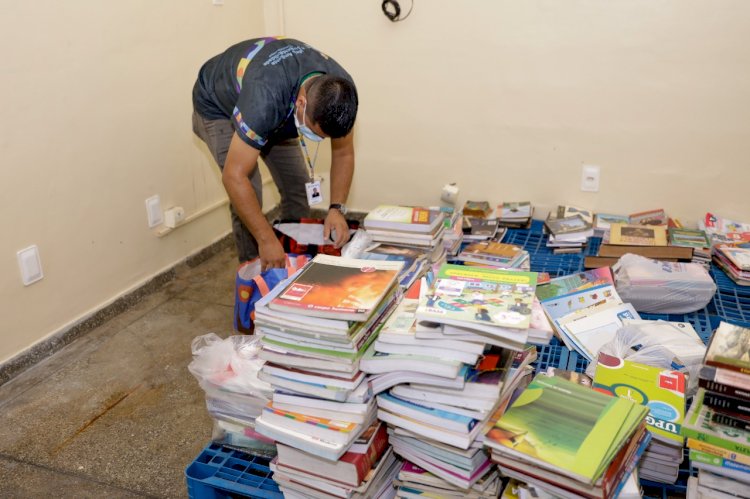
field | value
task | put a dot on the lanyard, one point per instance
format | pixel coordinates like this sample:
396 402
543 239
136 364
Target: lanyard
310 163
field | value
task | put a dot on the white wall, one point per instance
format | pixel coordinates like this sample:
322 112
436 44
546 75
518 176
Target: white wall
510 98
96 108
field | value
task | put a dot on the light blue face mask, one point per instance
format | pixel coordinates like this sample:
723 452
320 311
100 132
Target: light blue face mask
303 128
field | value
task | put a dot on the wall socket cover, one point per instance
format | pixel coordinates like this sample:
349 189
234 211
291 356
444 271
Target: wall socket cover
153 211
590 175
30 265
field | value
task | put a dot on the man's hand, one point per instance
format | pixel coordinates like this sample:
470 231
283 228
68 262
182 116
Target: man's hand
336 221
271 254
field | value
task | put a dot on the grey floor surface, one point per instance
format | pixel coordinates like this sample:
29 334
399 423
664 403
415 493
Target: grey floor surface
116 413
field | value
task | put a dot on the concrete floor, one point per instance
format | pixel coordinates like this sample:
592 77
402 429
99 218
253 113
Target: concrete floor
116 413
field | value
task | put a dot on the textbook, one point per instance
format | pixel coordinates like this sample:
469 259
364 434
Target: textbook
730 348
564 427
638 235
563 285
338 288
662 391
404 218
688 237
481 298
699 427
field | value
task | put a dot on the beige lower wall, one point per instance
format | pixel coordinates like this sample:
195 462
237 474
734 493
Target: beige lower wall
96 118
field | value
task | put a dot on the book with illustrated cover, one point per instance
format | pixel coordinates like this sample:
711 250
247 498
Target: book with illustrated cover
738 256
564 285
700 427
479 209
688 237
492 253
567 225
650 217
603 221
730 348
338 288
564 211
638 235
406 218
564 427
478 297
559 306
662 391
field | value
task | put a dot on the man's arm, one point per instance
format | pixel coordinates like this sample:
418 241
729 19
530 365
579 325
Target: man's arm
342 171
240 163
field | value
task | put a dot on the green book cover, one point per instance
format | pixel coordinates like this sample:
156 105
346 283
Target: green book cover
486 296
323 352
690 238
565 427
662 391
698 425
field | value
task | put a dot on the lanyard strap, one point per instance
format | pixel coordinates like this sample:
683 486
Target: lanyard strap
310 163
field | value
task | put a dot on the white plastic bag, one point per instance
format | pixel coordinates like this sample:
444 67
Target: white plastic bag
654 286
230 364
668 345
357 245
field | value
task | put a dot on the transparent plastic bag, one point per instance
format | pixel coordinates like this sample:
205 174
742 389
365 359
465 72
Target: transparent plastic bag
668 345
242 437
357 245
654 286
229 364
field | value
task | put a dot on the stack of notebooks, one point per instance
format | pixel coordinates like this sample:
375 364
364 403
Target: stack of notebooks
585 310
414 482
493 254
314 329
569 440
717 425
662 391
692 238
569 229
515 214
734 260
406 225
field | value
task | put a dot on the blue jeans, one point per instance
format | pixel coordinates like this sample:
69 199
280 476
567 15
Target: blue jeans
286 164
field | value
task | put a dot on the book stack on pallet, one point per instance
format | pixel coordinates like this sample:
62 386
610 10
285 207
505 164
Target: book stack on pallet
662 391
314 330
406 226
569 440
515 214
692 238
443 386
734 260
717 425
494 254
569 229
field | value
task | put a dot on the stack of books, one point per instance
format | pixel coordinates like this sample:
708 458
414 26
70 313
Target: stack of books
454 234
406 225
482 229
314 329
692 238
722 230
569 440
570 229
414 482
717 425
493 254
662 391
734 261
515 214
603 222
477 209
416 260
585 310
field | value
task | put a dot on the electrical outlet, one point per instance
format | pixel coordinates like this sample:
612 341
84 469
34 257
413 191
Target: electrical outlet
153 210
30 265
590 178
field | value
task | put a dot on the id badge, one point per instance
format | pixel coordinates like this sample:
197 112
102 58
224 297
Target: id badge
314 194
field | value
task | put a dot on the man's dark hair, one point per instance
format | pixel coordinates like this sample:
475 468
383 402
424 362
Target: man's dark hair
333 104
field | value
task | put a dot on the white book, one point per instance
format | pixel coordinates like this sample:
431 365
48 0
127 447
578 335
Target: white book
728 485
307 401
328 380
471 413
374 362
438 353
308 443
279 355
445 397
322 413
589 333
328 393
456 439
382 382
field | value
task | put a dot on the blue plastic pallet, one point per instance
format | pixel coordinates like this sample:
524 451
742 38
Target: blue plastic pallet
222 473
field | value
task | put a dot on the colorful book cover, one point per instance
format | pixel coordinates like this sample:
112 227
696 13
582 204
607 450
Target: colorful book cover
637 235
737 255
565 427
713 460
477 295
492 251
564 211
338 287
560 306
493 367
688 237
730 348
481 209
574 223
328 424
662 391
651 217
699 426
429 415
564 285
415 218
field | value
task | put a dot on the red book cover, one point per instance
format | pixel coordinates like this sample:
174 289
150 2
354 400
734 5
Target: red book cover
364 462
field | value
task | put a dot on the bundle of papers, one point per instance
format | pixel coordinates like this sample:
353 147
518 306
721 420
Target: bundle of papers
569 439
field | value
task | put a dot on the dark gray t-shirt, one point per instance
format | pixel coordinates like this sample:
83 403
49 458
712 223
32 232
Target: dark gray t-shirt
255 84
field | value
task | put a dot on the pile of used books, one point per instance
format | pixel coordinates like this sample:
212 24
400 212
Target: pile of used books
314 330
663 392
692 238
515 214
734 260
717 426
406 226
479 224
436 389
568 440
494 254
416 260
569 229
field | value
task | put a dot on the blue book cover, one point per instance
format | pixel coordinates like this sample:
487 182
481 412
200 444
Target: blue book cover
466 421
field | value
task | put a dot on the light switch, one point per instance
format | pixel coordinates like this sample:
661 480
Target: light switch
30 265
